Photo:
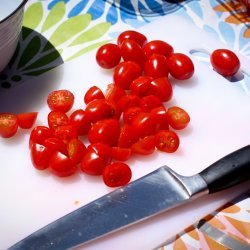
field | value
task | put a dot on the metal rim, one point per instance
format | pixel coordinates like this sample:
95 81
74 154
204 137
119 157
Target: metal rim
13 12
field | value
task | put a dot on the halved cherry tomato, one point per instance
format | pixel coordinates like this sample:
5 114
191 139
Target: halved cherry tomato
180 66
26 120
76 150
8 125
140 86
56 119
130 113
125 73
92 94
55 144
101 150
78 120
159 114
157 47
39 134
108 56
120 154
61 165
114 93
147 103
167 141
65 133
225 62
60 100
128 136
117 174
132 35
106 131
178 118
144 146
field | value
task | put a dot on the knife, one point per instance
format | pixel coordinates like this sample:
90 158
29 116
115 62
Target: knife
152 194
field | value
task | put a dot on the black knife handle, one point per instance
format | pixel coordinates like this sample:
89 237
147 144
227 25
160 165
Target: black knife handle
228 171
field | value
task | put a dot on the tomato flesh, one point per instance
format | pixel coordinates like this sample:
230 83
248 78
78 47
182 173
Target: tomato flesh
56 119
76 150
8 125
167 141
144 146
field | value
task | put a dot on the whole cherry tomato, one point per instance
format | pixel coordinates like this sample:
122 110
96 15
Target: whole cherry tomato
128 136
55 144
140 86
157 47
225 62
159 114
39 134
93 93
108 56
144 146
117 174
56 119
132 35
167 141
26 120
180 66
8 125
60 100
113 93
76 150
128 101
101 150
156 66
125 73
147 103
65 133
120 154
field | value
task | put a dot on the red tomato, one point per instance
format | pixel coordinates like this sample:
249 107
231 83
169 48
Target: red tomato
144 146
225 62
8 125
140 86
56 119
128 136
132 51
76 150
167 141
147 103
120 154
98 110
157 47
128 101
55 144
178 118
40 156
61 165
26 120
78 120
105 131
92 94
65 133
156 66
130 113
117 174
108 56
180 66
114 93
159 114
39 134
162 88
125 73
101 150
60 100
132 35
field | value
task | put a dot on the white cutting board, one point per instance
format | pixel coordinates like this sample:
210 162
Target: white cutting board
220 124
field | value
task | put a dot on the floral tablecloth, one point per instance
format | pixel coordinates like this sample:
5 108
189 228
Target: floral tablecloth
56 32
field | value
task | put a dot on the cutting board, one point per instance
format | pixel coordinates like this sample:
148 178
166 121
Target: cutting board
220 124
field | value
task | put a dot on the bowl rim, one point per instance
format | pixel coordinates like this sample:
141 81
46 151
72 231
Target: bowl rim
13 12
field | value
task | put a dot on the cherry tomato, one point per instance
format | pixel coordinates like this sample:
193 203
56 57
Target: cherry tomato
8 125
120 154
117 174
92 94
40 156
225 62
114 93
128 101
178 118
159 114
167 141
147 103
60 100
132 51
125 73
39 134
162 88
128 136
144 146
105 131
132 35
130 113
140 86
56 119
55 144
108 56
65 133
76 150
98 110
101 150
156 66
157 47
61 165
180 66
78 120
26 120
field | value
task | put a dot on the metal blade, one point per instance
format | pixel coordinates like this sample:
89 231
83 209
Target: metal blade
152 194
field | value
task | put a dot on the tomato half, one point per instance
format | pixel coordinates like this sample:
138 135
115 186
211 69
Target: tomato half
39 134
93 93
8 125
120 154
140 86
56 119
144 146
26 120
76 150
167 141
65 133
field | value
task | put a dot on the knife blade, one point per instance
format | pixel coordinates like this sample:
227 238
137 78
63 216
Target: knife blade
152 194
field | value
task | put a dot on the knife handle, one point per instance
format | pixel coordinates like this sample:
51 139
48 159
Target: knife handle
228 171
